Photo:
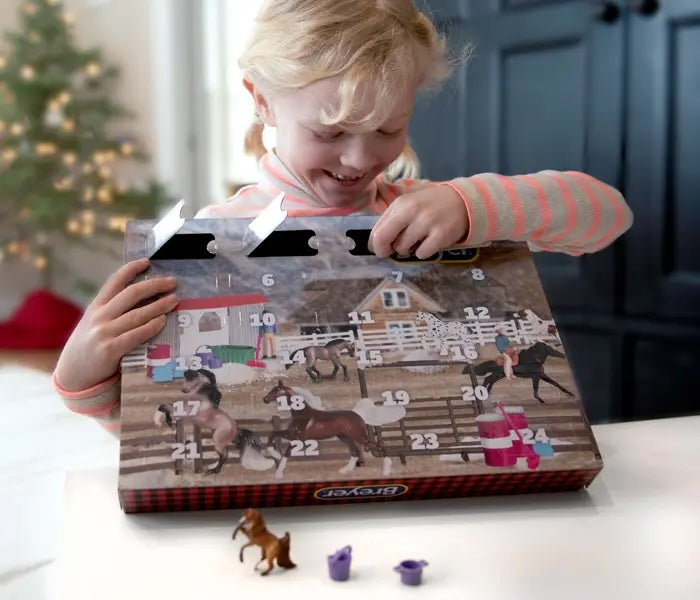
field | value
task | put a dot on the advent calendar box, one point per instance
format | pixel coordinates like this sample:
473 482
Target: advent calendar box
305 370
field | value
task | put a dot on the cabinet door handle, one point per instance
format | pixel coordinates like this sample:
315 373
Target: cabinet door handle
646 7
608 12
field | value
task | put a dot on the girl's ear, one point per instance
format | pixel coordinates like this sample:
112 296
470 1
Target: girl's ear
262 106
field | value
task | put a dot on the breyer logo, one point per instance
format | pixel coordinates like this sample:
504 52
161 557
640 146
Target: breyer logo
361 491
457 255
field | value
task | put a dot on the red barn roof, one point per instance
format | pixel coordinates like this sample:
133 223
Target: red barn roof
220 302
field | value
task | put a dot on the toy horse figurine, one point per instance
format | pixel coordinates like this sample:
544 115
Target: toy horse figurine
253 526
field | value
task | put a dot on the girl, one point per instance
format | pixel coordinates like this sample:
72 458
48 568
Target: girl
338 79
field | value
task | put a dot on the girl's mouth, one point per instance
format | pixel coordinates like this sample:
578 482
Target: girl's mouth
344 180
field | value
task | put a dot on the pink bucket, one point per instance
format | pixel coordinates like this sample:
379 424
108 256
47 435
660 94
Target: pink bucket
495 440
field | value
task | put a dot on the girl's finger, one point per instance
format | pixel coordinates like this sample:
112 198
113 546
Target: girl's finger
430 245
407 240
386 230
134 338
130 297
120 279
139 316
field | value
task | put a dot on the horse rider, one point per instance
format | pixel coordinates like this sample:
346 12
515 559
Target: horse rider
507 352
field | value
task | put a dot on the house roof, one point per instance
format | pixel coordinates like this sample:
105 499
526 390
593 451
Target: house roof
329 301
220 301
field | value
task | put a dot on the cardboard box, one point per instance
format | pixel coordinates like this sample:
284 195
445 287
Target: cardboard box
310 372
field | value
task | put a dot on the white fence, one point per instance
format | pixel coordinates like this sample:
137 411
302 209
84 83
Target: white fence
520 333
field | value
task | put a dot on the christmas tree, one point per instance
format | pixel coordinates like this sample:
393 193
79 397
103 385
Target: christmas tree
58 159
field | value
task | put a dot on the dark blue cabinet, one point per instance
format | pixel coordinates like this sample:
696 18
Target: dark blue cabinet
612 89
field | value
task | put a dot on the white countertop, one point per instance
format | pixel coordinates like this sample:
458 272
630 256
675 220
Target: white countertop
634 534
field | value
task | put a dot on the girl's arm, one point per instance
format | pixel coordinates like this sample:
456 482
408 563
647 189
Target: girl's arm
568 212
100 402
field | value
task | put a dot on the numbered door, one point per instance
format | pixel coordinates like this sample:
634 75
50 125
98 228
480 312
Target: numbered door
526 102
663 270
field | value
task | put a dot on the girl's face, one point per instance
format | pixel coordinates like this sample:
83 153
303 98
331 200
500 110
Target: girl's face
336 163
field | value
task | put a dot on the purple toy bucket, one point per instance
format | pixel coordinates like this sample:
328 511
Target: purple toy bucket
339 564
411 571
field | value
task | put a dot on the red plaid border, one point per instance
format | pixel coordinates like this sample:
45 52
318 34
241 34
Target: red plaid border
295 494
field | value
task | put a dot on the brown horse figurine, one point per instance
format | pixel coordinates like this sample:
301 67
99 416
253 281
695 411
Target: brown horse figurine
273 548
311 422
331 351
205 412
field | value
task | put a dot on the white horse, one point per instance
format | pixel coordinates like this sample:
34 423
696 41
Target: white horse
540 327
440 331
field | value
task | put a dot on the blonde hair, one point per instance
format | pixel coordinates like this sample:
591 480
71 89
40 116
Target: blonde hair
377 47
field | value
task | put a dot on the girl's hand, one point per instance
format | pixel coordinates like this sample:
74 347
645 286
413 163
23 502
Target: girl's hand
112 326
421 222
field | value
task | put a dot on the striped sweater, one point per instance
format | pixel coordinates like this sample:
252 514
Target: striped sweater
568 212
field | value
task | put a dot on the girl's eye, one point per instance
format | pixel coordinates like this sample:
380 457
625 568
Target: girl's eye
390 133
327 136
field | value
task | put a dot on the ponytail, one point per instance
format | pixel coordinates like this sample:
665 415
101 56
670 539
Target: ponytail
253 143
406 165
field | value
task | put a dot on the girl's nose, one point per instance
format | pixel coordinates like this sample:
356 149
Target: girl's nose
357 154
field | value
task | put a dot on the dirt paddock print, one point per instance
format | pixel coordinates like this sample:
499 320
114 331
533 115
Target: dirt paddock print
301 377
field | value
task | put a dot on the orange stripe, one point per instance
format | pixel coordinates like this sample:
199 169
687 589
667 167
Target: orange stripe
84 394
320 212
543 205
595 207
516 204
618 207
571 213
294 200
278 175
491 213
392 193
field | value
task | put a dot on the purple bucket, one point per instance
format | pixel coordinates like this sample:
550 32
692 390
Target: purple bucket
411 571
339 564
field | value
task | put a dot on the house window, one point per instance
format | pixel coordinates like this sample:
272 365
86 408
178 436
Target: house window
405 327
395 299
209 321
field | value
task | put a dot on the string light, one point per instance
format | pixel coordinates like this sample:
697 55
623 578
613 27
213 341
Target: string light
40 262
104 194
45 149
10 154
3 62
69 124
92 69
27 72
68 19
73 226
64 98
69 158
88 194
127 149
16 129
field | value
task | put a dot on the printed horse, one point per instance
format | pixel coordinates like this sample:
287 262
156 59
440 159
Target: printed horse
440 330
205 412
530 366
311 422
540 327
272 547
331 352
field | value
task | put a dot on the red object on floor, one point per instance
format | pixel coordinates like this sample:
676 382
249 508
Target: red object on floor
42 321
